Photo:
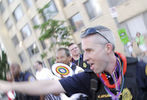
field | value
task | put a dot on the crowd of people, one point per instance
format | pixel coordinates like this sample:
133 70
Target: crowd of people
100 73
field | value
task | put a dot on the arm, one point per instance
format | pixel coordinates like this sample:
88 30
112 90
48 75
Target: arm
33 88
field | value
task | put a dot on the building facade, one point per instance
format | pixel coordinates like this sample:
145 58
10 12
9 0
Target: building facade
17 18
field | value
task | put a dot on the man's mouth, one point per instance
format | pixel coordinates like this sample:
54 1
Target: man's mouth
92 66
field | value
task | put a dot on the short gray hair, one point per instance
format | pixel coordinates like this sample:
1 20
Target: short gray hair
103 31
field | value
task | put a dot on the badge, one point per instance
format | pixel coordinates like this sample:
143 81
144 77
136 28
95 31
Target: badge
146 69
84 65
126 94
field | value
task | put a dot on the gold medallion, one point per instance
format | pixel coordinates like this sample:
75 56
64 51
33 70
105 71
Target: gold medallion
126 94
146 70
84 65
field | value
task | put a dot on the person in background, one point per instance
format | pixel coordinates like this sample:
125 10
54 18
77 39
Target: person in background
20 76
77 58
141 43
43 73
130 49
63 56
112 75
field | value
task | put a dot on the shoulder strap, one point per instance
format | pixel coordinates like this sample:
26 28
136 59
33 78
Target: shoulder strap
94 85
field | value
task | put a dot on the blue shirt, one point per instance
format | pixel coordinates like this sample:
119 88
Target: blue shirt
80 83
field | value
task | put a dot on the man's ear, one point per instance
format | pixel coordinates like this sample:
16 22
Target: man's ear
109 47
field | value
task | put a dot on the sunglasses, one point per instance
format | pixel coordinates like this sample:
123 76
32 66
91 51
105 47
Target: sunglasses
94 30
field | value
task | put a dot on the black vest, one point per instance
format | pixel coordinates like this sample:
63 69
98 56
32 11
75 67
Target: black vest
131 89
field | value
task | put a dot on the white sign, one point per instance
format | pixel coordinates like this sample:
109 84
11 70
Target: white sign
113 12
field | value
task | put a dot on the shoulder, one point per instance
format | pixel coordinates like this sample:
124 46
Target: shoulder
28 76
78 69
45 70
140 65
76 83
77 78
131 60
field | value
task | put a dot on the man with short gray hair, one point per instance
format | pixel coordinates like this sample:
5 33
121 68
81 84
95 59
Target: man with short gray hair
112 75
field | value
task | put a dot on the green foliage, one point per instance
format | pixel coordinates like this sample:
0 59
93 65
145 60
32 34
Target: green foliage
43 55
4 67
54 30
52 61
45 6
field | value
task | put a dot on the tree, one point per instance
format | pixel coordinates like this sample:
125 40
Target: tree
55 30
4 67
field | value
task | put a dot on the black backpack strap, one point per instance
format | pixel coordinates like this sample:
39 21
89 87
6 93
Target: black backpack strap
94 86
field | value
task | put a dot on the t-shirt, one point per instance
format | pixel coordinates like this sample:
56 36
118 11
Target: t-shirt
140 40
44 74
136 71
78 83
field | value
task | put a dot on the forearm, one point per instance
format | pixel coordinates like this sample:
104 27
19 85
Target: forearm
38 87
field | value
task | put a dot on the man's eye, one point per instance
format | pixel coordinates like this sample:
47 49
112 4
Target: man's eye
88 51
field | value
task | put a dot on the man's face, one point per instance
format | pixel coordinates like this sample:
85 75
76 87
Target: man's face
138 34
74 50
94 53
61 57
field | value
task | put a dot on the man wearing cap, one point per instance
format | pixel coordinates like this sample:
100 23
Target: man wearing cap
112 75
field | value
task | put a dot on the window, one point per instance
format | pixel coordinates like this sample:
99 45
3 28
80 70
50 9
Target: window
32 50
9 1
113 3
35 20
76 22
2 9
25 31
18 13
50 11
93 9
15 40
8 23
65 2
28 3
22 57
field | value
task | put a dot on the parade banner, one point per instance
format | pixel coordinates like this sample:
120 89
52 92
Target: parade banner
123 36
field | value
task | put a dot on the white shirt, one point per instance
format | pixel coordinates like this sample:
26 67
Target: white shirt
44 74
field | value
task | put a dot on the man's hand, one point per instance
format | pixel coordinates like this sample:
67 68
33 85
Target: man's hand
5 86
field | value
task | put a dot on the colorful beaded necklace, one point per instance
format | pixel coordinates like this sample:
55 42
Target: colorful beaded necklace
117 80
